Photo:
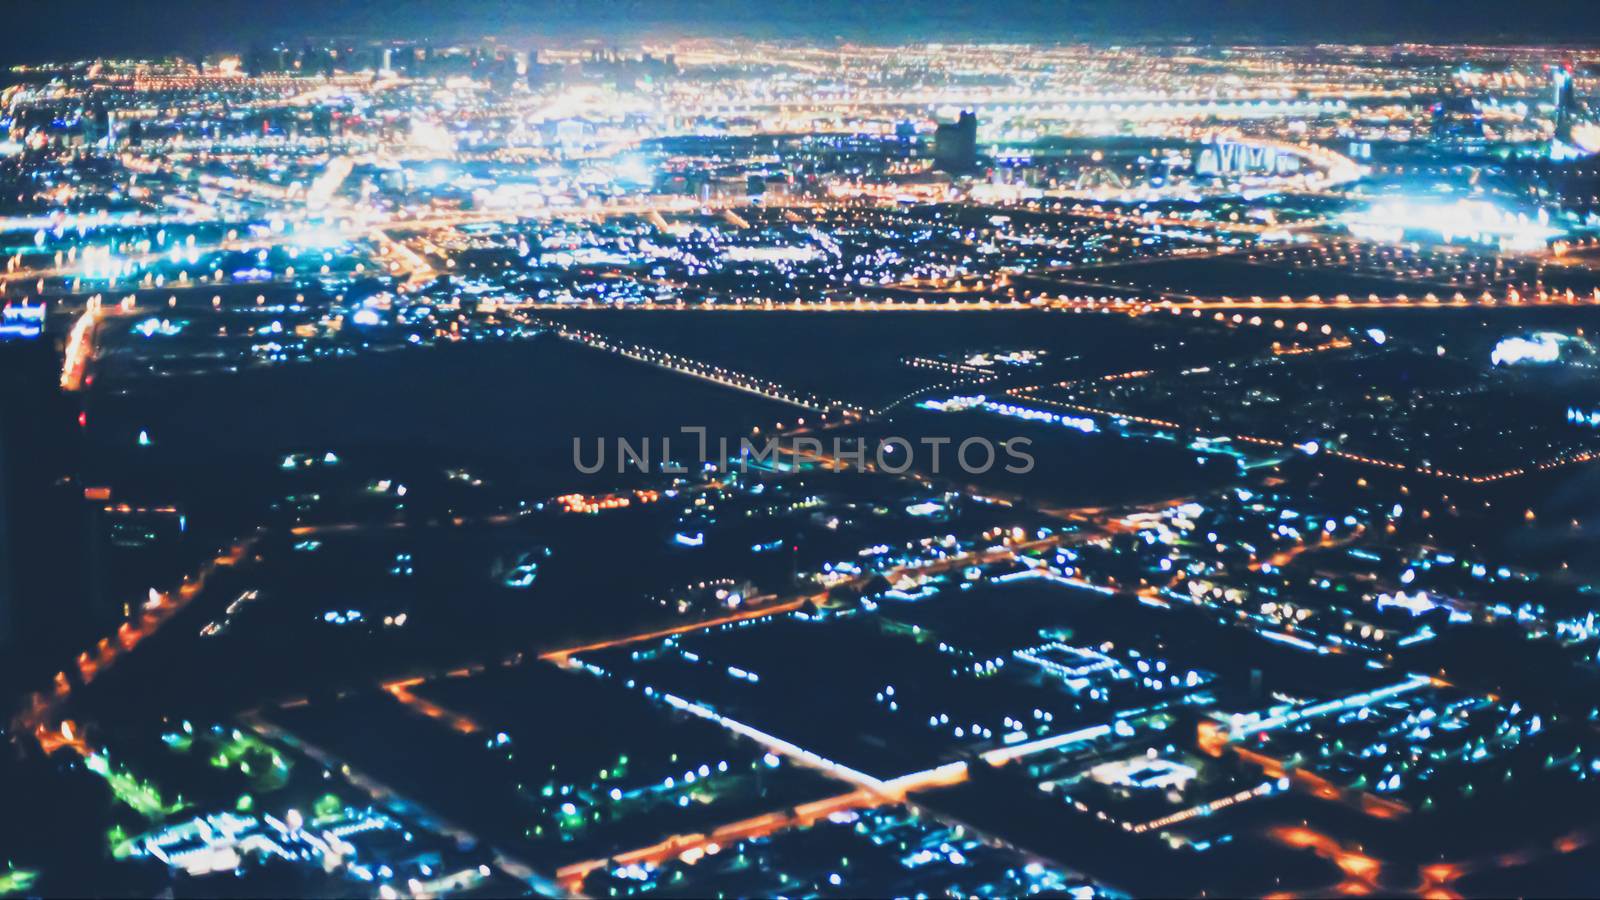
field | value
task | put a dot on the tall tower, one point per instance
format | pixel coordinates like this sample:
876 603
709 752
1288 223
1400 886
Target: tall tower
41 532
1566 100
24 367
8 554
955 144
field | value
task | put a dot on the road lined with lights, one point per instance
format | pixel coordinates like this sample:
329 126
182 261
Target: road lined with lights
684 365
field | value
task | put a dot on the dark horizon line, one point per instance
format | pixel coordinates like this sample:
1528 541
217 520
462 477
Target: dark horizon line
67 30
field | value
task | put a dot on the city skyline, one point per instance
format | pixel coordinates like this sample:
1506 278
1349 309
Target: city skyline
698 449
105 27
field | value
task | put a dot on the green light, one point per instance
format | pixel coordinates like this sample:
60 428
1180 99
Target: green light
327 806
15 881
142 798
121 845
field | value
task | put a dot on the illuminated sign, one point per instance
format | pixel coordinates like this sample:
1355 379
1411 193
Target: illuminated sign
21 321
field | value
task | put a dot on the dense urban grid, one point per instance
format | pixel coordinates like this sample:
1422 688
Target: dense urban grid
721 467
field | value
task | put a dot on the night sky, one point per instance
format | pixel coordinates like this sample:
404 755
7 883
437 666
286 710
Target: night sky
36 30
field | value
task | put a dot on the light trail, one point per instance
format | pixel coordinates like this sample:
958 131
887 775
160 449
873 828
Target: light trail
1242 726
80 347
401 691
689 845
776 609
683 365
40 714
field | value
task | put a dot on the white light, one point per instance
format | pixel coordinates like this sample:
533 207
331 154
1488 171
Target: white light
1541 348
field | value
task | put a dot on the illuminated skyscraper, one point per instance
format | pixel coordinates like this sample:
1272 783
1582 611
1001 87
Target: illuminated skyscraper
1577 135
1566 101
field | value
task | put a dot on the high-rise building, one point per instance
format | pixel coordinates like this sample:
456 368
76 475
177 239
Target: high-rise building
1577 134
955 144
96 123
1566 101
42 534
1458 119
24 355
